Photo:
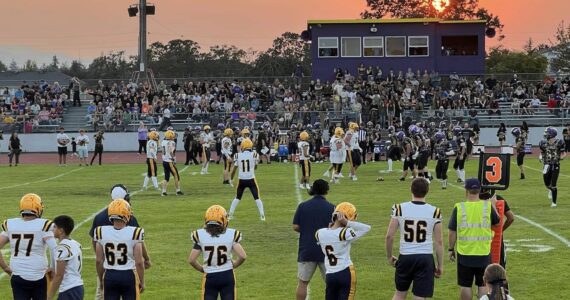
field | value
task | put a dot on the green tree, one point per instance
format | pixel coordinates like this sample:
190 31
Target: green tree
175 58
562 48
501 60
13 66
111 66
54 65
281 59
76 69
30 66
3 67
223 61
456 10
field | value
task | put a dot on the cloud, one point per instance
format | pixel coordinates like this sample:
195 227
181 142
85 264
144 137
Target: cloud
22 53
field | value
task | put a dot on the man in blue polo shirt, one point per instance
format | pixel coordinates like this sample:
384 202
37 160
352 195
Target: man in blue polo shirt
311 216
118 191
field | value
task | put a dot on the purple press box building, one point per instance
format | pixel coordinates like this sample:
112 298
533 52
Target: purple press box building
445 46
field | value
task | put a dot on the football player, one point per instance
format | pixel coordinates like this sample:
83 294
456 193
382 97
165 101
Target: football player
246 163
151 157
394 150
218 136
442 151
304 160
292 137
169 162
338 154
410 154
459 164
420 226
206 139
217 242
552 152
119 254
519 148
227 149
422 142
335 243
67 277
353 150
29 236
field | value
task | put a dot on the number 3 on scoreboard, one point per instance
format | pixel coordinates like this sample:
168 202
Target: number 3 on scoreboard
496 164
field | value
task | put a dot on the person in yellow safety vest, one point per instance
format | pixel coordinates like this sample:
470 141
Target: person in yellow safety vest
470 229
498 250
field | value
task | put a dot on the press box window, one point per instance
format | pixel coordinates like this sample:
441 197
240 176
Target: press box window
395 46
460 45
350 47
418 46
373 46
328 47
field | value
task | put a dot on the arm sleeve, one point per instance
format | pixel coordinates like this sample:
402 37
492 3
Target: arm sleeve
453 220
495 219
297 216
355 230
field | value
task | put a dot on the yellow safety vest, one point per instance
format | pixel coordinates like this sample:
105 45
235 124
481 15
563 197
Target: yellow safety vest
474 234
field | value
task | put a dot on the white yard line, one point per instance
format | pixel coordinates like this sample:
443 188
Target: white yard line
540 171
38 181
533 223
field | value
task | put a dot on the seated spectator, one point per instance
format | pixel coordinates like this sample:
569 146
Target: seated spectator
43 116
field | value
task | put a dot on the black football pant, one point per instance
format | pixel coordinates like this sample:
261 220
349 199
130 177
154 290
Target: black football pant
28 290
551 180
441 169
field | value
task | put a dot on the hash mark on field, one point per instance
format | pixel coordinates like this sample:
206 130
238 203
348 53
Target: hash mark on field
540 171
38 181
535 224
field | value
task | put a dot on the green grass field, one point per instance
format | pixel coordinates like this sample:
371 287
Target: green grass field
537 264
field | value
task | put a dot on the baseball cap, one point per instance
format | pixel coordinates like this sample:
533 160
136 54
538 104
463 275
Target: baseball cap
472 184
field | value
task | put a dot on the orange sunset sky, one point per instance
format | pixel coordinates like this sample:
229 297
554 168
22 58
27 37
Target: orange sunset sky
83 29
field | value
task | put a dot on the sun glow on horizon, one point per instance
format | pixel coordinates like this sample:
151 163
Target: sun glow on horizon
440 5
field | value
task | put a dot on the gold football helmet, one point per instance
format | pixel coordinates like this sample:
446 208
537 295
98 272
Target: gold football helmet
119 209
216 214
207 127
169 135
244 132
31 204
347 209
338 132
153 135
228 132
304 136
353 126
246 144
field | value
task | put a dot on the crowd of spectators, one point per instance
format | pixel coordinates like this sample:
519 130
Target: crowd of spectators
31 105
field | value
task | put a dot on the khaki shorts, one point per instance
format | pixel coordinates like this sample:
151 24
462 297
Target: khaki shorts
306 269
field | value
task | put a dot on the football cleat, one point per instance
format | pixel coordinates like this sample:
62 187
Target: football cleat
553 204
307 186
327 174
179 193
119 209
262 218
31 204
164 194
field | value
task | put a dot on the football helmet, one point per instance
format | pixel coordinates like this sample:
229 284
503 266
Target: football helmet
198 128
457 130
304 136
169 135
317 125
119 209
347 209
293 126
338 132
391 129
153 135
207 127
170 128
442 125
152 129
228 132
216 214
246 144
550 132
516 131
400 135
245 131
31 204
413 129
353 126
439 136
221 126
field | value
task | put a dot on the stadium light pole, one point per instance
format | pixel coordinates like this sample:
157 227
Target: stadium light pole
143 9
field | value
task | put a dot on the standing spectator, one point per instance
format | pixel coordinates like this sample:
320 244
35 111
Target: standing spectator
74 87
470 228
165 119
82 142
566 135
298 76
62 142
502 134
98 146
311 216
143 137
496 282
15 148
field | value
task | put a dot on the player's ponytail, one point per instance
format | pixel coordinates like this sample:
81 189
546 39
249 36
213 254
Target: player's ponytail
496 277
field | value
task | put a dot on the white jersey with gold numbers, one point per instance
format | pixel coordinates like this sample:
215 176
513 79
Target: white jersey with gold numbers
338 150
152 149
416 222
217 251
227 147
354 145
303 148
335 244
207 139
70 251
118 246
28 245
167 147
246 161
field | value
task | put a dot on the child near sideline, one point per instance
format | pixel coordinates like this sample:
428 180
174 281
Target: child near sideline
496 281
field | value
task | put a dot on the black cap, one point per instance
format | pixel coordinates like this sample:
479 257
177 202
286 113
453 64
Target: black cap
320 187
